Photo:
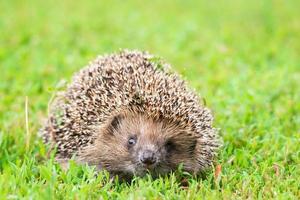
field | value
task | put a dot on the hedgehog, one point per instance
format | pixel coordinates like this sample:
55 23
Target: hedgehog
130 114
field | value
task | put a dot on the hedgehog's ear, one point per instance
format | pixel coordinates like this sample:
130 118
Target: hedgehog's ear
115 123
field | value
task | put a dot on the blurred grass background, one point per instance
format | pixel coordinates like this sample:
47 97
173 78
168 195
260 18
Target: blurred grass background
241 56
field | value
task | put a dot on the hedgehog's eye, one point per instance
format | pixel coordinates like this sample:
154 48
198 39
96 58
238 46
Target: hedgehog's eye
170 146
131 141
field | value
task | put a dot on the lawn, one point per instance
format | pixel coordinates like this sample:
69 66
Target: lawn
243 57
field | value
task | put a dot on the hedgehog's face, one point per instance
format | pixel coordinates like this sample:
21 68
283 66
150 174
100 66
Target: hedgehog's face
136 145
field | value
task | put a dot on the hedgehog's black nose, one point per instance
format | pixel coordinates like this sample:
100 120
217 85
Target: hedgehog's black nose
148 157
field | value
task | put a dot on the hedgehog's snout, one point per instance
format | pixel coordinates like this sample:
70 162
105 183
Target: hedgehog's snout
148 157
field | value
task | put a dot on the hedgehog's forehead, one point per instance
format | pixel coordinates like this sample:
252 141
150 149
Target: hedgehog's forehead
142 123
149 128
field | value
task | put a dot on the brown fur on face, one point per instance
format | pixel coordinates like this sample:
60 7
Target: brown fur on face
170 144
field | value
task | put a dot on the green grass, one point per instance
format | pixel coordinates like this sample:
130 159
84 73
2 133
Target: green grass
242 56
